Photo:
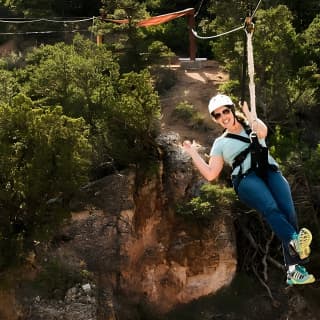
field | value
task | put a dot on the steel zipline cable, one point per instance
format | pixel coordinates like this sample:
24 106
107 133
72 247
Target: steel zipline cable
43 32
255 10
216 36
248 60
19 21
201 3
227 32
23 21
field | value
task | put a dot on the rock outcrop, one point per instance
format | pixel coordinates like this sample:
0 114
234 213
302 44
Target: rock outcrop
129 236
125 232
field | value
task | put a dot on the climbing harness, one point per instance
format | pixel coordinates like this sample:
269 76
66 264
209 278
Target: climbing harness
259 154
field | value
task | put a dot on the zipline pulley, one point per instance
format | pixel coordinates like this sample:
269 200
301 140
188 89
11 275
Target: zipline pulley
249 25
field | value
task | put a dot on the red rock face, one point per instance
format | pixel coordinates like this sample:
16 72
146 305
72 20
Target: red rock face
139 250
132 238
171 261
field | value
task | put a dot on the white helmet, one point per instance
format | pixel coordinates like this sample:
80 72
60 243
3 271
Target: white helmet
218 101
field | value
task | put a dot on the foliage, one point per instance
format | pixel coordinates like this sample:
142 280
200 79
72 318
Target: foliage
9 86
121 110
303 13
283 144
312 166
164 78
11 61
82 78
197 121
44 157
310 72
274 60
55 279
137 47
186 112
40 8
157 52
126 39
169 32
274 57
79 77
47 150
30 7
283 81
212 201
134 125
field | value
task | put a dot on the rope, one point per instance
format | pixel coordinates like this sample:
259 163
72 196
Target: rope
255 10
218 35
222 34
244 69
199 8
251 76
44 20
43 32
24 21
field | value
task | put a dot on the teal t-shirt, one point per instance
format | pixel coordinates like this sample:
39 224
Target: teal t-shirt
229 148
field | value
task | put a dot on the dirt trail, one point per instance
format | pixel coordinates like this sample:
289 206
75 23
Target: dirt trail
196 86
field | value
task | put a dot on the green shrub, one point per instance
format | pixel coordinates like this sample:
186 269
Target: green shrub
164 78
184 111
312 166
212 200
45 158
197 120
55 279
121 110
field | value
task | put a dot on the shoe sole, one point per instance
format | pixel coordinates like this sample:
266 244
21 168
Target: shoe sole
292 282
304 244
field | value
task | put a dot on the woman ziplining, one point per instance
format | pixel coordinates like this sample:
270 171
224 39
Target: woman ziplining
255 175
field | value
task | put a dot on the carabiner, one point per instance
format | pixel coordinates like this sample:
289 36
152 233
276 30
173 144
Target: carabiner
252 135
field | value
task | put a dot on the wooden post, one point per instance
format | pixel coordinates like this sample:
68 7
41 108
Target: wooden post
192 38
99 39
102 18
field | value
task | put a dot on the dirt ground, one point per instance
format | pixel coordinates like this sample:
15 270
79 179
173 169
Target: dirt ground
195 85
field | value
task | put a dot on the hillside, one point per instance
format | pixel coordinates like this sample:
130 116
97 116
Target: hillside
125 254
196 86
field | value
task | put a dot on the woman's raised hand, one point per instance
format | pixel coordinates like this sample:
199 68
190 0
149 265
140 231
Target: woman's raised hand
189 147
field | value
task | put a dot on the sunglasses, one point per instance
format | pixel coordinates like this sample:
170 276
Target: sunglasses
217 116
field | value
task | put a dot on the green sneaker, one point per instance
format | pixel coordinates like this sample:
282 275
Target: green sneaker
299 276
301 243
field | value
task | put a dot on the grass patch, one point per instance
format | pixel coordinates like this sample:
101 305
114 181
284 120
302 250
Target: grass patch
186 112
55 279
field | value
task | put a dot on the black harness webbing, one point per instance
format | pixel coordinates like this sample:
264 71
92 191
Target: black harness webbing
259 153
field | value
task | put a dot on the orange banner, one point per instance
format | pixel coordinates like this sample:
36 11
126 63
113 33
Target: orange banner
158 19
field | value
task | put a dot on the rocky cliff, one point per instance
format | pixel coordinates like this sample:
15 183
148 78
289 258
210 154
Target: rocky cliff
125 232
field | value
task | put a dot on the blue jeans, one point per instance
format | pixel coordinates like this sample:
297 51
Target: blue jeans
272 198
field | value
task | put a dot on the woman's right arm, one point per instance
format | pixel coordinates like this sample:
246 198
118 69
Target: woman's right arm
209 171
